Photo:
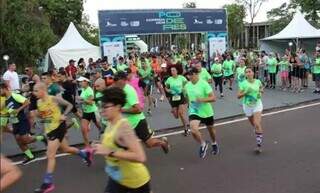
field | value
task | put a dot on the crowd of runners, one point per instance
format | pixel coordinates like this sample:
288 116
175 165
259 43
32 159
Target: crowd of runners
111 97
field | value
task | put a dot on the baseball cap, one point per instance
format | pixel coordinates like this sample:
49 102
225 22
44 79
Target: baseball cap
163 65
70 61
81 78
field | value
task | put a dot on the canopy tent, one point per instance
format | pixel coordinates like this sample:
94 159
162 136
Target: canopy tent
298 31
71 46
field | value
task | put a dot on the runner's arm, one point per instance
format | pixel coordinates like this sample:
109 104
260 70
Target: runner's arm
24 105
62 102
9 173
210 98
135 109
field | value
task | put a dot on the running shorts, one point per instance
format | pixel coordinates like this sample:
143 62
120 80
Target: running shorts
229 77
21 128
208 121
89 117
249 111
143 131
176 100
33 103
115 187
58 133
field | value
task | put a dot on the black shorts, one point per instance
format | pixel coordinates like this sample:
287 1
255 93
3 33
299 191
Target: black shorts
142 130
33 103
89 117
21 128
229 77
209 121
58 133
176 103
115 187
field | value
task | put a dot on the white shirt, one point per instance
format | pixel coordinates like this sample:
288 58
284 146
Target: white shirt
13 79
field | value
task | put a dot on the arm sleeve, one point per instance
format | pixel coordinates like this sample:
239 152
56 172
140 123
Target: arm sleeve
19 98
208 88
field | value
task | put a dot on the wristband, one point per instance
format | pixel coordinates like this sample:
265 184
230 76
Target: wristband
111 154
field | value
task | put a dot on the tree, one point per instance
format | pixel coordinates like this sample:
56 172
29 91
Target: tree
25 32
253 8
280 17
236 14
311 8
190 5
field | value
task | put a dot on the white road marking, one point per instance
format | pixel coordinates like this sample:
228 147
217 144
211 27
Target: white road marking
218 124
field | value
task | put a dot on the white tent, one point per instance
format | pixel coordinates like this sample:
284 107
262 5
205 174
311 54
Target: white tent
298 31
72 46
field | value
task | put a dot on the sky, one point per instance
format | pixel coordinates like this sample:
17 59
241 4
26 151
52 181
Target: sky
91 7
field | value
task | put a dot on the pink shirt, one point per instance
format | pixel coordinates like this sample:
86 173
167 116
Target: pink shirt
134 82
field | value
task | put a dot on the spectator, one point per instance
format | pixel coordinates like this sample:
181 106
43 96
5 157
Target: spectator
11 77
71 69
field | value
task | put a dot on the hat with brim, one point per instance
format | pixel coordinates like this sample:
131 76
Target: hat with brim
81 78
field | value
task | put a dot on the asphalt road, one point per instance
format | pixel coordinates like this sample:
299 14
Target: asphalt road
290 162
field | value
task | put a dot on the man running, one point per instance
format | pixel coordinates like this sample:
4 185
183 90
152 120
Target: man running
55 129
135 116
199 95
15 105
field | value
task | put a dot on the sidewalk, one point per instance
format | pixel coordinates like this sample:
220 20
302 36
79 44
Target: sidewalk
162 119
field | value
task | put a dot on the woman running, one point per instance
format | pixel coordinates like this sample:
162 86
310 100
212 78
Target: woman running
217 74
174 86
250 90
123 152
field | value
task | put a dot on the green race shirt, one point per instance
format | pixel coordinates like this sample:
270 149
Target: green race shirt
87 93
241 74
176 84
272 65
121 67
204 75
316 68
131 100
284 65
252 92
146 75
201 89
228 67
216 70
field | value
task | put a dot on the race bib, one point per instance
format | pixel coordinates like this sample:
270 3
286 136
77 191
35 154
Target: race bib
176 98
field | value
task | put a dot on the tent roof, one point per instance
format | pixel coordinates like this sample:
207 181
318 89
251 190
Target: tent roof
297 28
72 40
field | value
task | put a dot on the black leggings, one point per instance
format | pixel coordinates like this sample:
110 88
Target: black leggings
272 79
218 81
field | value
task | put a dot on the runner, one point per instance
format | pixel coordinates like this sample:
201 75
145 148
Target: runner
137 84
15 105
241 71
89 108
9 173
217 74
100 86
145 73
53 88
200 95
123 152
228 70
135 116
174 86
203 73
316 73
251 90
4 117
55 129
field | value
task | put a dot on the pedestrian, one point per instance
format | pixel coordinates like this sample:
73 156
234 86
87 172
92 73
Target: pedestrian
11 78
199 95
316 73
174 85
9 173
89 109
217 74
121 149
15 106
250 92
228 70
132 111
241 71
272 70
284 72
55 128
71 70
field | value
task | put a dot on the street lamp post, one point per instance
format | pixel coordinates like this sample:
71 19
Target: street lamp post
6 58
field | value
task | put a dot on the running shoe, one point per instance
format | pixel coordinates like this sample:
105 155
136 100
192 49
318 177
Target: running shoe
230 88
203 150
75 123
166 146
258 150
45 188
221 95
186 132
155 103
27 161
215 149
89 158
149 112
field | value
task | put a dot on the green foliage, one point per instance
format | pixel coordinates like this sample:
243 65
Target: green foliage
236 14
29 27
281 16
